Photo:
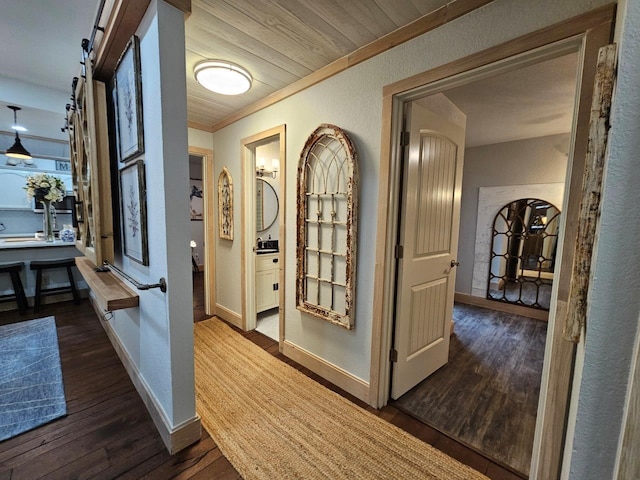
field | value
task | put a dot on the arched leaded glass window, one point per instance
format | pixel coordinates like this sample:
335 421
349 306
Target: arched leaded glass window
523 253
327 213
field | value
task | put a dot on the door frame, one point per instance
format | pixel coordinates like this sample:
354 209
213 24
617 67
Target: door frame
248 267
586 34
208 217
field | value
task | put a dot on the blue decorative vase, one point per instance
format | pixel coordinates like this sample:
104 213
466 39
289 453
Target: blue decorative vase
67 234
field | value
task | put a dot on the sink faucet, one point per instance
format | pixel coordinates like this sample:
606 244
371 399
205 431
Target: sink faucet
259 242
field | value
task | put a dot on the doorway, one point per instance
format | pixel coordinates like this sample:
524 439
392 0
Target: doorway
569 37
201 173
267 212
510 144
263 231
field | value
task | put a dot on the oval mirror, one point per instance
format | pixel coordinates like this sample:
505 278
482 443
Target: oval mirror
266 205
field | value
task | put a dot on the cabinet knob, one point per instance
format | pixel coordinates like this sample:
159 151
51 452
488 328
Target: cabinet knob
275 260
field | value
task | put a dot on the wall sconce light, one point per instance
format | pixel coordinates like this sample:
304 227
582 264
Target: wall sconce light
17 153
222 77
262 170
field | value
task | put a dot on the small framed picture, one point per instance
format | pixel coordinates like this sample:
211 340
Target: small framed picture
128 96
195 199
134 212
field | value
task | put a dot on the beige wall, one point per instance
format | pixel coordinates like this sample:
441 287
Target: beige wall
353 101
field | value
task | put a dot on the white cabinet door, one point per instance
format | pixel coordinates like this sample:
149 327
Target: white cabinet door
266 282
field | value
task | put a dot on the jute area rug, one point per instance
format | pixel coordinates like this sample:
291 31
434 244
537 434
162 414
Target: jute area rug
272 421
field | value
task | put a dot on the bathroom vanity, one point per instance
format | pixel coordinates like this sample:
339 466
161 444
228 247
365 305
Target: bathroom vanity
267 287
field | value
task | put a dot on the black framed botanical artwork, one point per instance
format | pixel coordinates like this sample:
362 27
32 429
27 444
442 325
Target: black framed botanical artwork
134 212
128 96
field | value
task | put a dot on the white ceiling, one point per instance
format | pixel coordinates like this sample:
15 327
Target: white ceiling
41 46
531 102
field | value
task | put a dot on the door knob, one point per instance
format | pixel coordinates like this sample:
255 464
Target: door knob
454 263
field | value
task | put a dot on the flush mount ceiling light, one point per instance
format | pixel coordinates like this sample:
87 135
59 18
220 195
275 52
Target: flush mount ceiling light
17 150
222 77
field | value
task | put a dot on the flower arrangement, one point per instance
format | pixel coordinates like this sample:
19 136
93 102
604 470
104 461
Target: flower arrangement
45 187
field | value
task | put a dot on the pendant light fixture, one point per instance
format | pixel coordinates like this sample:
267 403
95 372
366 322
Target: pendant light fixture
17 150
222 77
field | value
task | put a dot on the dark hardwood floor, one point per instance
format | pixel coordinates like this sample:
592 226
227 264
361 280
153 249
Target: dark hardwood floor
108 433
486 396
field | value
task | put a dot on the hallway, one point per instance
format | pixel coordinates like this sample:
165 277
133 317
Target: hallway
108 433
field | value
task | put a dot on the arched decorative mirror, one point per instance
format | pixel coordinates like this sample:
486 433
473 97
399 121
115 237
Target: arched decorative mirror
523 253
327 219
267 205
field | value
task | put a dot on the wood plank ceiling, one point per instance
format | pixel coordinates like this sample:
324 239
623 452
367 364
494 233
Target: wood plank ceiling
280 42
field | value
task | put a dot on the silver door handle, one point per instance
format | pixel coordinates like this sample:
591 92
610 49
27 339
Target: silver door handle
454 263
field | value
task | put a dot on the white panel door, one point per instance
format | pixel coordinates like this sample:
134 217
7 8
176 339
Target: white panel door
429 238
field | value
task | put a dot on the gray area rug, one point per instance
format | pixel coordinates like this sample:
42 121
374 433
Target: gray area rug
31 388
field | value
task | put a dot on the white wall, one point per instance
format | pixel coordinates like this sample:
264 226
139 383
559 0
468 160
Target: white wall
523 162
158 336
200 138
353 101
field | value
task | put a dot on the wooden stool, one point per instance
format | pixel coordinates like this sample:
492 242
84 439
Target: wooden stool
14 269
39 266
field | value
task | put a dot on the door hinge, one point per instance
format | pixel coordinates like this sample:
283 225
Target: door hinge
393 355
399 253
275 286
404 139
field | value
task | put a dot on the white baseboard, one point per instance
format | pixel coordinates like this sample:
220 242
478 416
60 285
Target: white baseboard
336 375
174 438
228 315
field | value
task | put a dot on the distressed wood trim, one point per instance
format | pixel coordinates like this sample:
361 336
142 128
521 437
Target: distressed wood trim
502 307
422 25
334 374
175 438
228 315
591 192
209 227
